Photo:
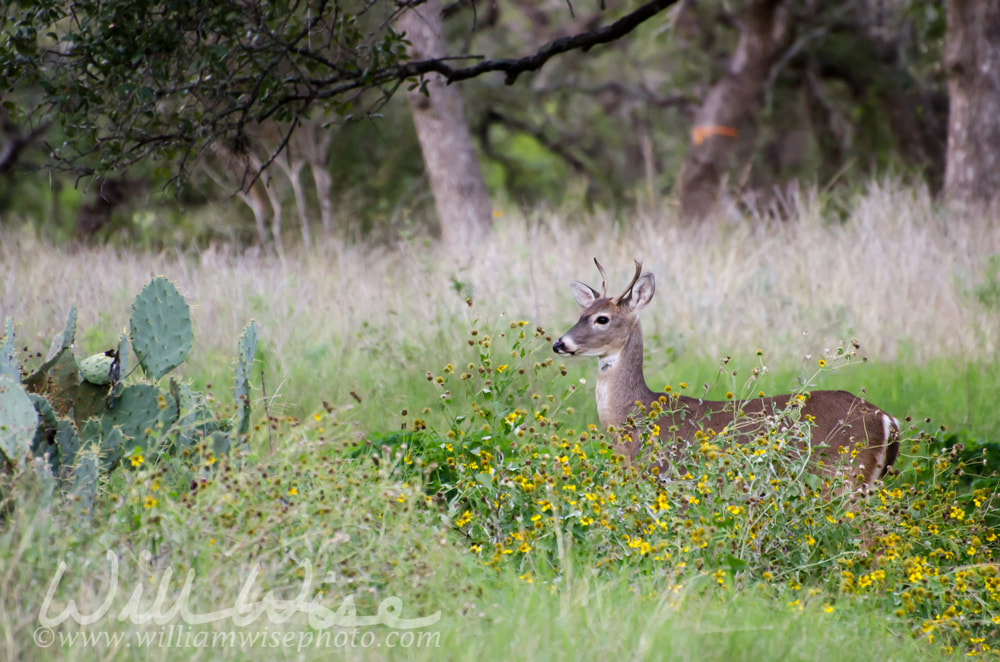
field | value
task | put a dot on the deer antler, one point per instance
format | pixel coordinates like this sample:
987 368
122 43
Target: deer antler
604 279
627 290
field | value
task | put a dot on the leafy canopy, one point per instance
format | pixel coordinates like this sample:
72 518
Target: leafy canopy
130 79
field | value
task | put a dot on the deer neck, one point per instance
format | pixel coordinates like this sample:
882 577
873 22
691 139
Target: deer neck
620 382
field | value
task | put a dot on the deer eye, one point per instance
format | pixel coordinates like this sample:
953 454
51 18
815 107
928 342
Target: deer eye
602 319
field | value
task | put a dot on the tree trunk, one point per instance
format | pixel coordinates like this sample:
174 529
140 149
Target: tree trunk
972 61
463 205
730 105
291 165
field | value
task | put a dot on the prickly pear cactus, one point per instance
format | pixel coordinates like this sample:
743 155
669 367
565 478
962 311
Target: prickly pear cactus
8 359
138 414
64 382
91 402
96 369
245 350
44 480
18 420
123 347
84 490
38 381
119 372
68 443
113 443
56 438
196 421
69 334
222 441
187 422
160 327
43 444
46 417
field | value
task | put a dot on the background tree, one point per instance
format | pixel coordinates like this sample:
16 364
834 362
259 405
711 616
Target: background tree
973 63
460 196
846 90
131 80
732 103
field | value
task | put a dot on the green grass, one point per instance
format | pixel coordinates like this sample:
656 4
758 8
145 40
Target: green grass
607 620
359 328
348 528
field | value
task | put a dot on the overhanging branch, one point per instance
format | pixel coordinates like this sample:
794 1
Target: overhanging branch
515 67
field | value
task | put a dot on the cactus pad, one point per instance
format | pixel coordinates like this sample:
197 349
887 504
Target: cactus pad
138 411
43 444
160 327
8 357
84 479
63 383
18 420
245 351
68 442
119 372
70 332
91 401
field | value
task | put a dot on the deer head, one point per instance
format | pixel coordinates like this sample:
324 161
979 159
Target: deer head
606 323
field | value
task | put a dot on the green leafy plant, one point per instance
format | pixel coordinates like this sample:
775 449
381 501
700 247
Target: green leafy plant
84 418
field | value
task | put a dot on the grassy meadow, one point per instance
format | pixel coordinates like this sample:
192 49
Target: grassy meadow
422 442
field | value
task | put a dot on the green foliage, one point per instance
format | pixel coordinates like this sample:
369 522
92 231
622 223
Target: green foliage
531 494
111 420
126 80
976 461
130 81
160 327
493 496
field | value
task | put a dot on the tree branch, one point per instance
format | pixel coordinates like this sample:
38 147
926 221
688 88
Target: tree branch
513 68
17 142
556 146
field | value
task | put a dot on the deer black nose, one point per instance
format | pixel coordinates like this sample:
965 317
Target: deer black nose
558 347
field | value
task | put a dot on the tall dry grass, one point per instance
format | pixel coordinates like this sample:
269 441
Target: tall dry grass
894 270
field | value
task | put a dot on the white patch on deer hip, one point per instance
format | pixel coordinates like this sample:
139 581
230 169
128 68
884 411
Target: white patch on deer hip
888 423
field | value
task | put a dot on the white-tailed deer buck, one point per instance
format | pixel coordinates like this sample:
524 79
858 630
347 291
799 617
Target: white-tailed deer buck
609 329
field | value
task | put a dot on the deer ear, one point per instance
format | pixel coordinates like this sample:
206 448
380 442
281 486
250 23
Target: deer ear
584 294
642 292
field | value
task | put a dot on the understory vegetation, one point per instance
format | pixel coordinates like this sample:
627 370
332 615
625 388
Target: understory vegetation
418 452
